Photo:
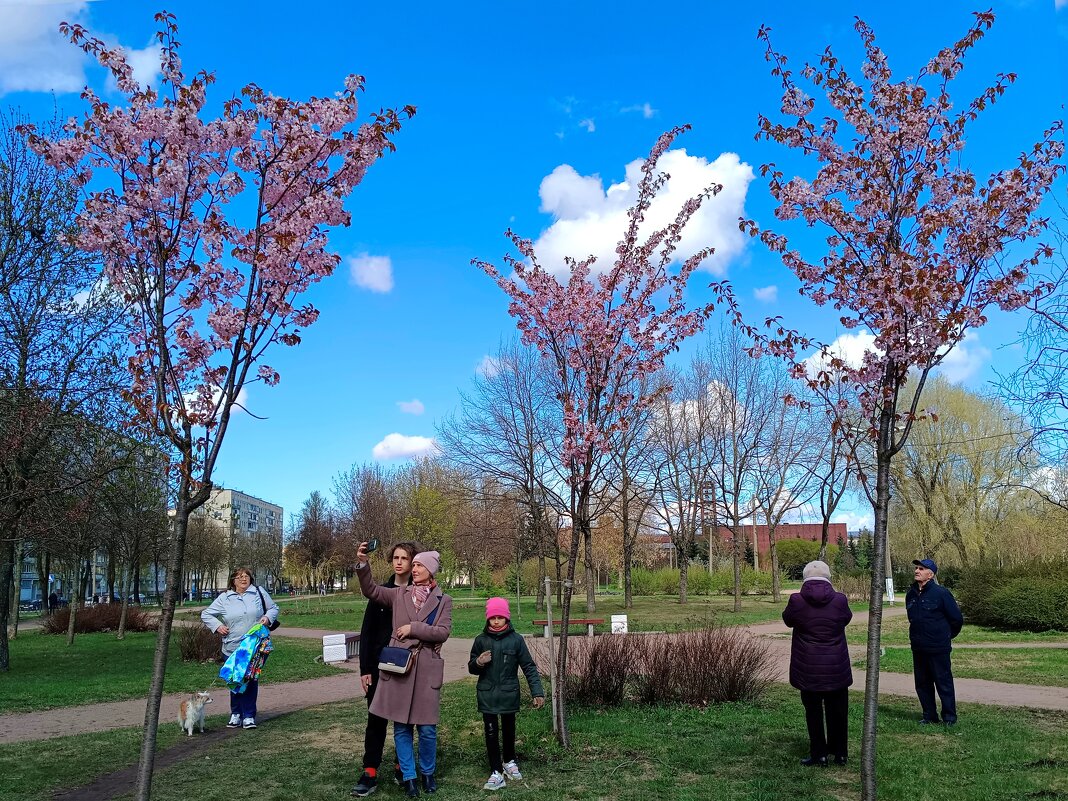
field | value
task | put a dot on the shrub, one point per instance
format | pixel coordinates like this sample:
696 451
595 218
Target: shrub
199 644
102 617
709 666
794 554
854 584
1032 597
698 581
643 581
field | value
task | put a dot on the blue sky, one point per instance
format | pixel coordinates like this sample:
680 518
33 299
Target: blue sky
510 95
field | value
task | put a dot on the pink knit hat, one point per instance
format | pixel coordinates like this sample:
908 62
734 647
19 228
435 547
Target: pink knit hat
497 607
431 560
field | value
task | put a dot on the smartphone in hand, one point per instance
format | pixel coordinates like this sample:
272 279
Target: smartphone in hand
372 545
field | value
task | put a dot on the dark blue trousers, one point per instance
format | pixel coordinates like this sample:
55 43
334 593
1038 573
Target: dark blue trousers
931 672
244 704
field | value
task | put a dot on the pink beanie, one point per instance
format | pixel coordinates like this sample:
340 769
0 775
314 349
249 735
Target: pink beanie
497 607
431 560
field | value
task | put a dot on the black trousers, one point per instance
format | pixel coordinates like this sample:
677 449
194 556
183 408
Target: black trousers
507 739
931 672
832 706
374 736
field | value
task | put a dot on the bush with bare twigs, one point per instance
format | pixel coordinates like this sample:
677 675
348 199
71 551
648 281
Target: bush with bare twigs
102 617
697 668
199 644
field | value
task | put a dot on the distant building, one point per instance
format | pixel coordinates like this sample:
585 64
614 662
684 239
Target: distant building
249 532
784 531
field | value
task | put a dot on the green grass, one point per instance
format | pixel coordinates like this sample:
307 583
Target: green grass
1046 667
46 674
895 631
737 751
344 611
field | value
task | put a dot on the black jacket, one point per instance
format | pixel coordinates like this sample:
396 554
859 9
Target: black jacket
375 632
934 618
498 682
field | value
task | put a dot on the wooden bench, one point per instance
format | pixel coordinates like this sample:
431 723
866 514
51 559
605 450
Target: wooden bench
588 622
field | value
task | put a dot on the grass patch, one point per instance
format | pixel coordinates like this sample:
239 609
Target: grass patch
344 611
1047 667
747 752
896 632
46 674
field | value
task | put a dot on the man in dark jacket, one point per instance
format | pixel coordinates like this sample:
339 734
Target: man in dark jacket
934 620
374 636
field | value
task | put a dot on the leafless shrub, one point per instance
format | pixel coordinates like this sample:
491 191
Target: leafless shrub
199 644
103 617
856 586
697 668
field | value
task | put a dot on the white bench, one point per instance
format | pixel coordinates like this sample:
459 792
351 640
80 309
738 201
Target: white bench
340 647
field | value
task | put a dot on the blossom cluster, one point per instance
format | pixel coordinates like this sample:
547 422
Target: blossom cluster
211 228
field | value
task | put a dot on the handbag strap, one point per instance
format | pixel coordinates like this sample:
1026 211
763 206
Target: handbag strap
263 601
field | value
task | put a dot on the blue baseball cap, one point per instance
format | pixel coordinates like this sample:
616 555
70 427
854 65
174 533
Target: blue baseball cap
928 563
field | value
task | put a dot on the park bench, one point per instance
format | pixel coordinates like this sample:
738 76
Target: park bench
340 647
588 622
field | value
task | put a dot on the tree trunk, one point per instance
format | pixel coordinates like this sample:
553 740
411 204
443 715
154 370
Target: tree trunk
76 603
591 576
125 590
684 578
539 601
825 530
184 506
875 610
774 564
7 570
737 555
16 589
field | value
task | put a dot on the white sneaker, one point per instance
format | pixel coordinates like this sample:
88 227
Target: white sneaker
248 723
495 781
234 722
511 770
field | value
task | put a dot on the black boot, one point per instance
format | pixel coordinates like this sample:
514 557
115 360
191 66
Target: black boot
429 784
810 762
411 788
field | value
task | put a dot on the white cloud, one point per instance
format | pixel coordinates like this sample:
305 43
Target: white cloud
766 294
588 125
414 406
488 367
34 56
965 360
589 220
848 347
371 272
855 520
402 446
645 109
145 64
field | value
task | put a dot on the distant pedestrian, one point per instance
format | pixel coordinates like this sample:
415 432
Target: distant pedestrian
497 655
53 603
819 663
934 620
375 633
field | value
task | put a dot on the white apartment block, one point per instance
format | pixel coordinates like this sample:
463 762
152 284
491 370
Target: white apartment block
252 530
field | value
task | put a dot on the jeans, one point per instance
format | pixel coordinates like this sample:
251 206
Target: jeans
835 704
244 704
493 746
428 748
933 671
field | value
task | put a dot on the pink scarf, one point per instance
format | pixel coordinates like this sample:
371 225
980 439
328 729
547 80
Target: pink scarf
420 592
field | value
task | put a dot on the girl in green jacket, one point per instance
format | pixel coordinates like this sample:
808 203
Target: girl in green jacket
496 656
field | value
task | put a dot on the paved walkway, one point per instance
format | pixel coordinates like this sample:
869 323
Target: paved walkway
278 699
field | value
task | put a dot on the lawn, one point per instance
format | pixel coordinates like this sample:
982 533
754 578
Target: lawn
736 751
1046 667
344 611
896 632
46 674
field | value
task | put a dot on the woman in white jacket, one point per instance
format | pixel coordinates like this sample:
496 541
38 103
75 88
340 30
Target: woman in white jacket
232 614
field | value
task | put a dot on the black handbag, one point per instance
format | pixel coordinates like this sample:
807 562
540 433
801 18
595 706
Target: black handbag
263 601
400 660
396 660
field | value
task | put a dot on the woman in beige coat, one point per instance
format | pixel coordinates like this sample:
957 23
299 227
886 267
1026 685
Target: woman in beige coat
422 621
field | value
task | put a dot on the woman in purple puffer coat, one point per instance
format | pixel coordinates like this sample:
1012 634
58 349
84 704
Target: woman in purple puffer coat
819 662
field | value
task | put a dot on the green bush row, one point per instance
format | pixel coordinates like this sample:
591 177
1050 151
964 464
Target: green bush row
1032 597
699 581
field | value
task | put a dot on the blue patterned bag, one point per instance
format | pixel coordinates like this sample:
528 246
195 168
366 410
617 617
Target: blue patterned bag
246 663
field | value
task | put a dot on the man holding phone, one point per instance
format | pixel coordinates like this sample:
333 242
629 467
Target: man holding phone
374 636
